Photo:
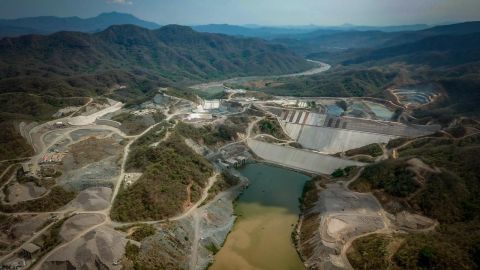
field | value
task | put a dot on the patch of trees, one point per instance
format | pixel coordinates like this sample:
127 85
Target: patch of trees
390 176
214 134
12 144
338 82
135 124
450 196
272 127
173 174
143 231
373 150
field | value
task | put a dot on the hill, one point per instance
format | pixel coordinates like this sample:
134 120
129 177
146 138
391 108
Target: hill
257 31
39 72
441 50
171 54
51 24
446 193
451 29
294 32
321 42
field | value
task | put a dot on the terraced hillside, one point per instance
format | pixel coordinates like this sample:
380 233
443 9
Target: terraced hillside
432 176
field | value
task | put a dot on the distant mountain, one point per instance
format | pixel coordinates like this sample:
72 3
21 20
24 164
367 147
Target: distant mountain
393 28
16 31
321 42
50 24
171 53
297 31
452 29
252 31
441 50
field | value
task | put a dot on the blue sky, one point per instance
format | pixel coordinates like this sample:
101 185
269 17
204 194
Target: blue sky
264 12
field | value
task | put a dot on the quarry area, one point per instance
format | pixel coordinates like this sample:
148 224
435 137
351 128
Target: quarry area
85 199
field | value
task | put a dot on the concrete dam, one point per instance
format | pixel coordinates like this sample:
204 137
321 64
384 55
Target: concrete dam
333 134
299 159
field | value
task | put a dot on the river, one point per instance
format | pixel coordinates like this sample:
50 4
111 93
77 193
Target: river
267 212
319 67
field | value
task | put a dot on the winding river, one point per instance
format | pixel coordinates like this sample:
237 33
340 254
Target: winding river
267 212
319 67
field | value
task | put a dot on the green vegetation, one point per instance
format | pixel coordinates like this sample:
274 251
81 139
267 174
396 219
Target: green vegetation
149 259
173 176
39 75
154 135
338 173
342 172
51 238
391 176
211 93
370 252
19 106
159 54
224 181
181 93
439 251
449 196
12 144
131 251
57 198
143 231
213 135
373 150
339 82
444 249
212 248
136 124
271 127
397 142
137 159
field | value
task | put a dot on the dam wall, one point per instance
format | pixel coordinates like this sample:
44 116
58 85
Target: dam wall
333 134
299 159
334 140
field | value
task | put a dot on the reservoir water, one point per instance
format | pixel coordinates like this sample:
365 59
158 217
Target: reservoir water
267 213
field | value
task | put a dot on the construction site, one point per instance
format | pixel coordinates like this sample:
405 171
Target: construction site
58 203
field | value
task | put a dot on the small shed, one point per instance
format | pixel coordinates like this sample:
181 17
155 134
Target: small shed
26 167
29 250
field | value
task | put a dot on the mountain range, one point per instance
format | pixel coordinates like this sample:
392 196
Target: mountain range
171 54
50 24
328 44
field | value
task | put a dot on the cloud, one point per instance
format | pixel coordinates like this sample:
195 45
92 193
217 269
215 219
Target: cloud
120 2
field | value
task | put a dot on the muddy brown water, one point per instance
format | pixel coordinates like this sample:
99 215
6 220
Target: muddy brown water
267 213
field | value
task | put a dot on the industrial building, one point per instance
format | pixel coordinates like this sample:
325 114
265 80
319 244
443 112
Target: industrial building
236 162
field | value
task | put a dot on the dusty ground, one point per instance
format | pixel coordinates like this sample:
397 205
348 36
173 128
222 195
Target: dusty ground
100 248
340 216
23 192
91 199
78 223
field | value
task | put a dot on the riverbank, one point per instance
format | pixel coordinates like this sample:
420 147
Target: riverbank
266 215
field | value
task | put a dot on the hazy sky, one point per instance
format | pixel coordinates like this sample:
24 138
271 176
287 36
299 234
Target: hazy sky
265 12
